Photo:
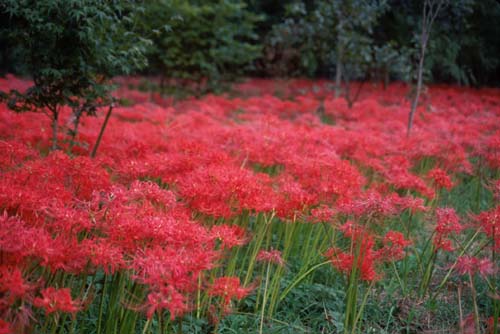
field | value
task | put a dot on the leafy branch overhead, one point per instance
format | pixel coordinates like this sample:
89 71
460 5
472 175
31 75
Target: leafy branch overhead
71 49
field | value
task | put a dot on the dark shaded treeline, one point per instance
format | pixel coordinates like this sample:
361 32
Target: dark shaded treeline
343 39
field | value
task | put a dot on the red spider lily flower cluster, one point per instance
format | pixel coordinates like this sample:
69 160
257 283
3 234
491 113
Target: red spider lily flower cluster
5 327
167 298
440 179
490 224
228 289
152 205
394 246
229 236
447 224
322 213
271 256
471 265
56 300
496 190
363 261
363 256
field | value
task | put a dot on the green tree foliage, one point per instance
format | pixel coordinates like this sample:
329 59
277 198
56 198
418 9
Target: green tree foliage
324 37
207 42
290 47
200 40
472 45
71 48
333 38
465 41
350 23
379 41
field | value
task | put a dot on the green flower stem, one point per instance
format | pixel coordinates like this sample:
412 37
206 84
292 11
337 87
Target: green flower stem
300 279
146 326
264 298
101 304
445 279
361 307
263 224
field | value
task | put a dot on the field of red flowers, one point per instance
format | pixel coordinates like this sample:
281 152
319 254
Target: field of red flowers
273 209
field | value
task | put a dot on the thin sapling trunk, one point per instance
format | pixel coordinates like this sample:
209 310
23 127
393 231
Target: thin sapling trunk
76 122
430 11
103 127
55 127
338 71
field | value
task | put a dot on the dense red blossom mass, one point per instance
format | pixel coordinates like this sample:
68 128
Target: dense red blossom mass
164 170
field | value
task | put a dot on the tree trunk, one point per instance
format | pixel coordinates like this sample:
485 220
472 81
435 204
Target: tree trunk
55 116
352 99
386 78
162 85
340 51
414 103
103 127
338 70
430 12
74 132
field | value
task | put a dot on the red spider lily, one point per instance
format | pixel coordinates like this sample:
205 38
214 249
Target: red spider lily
471 265
491 150
490 224
486 268
57 300
440 178
371 204
177 267
447 222
394 246
329 177
364 262
271 256
360 257
413 204
352 230
104 255
230 236
14 154
228 288
78 215
442 243
398 174
166 298
64 253
5 327
322 213
12 284
292 197
466 265
223 191
150 192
